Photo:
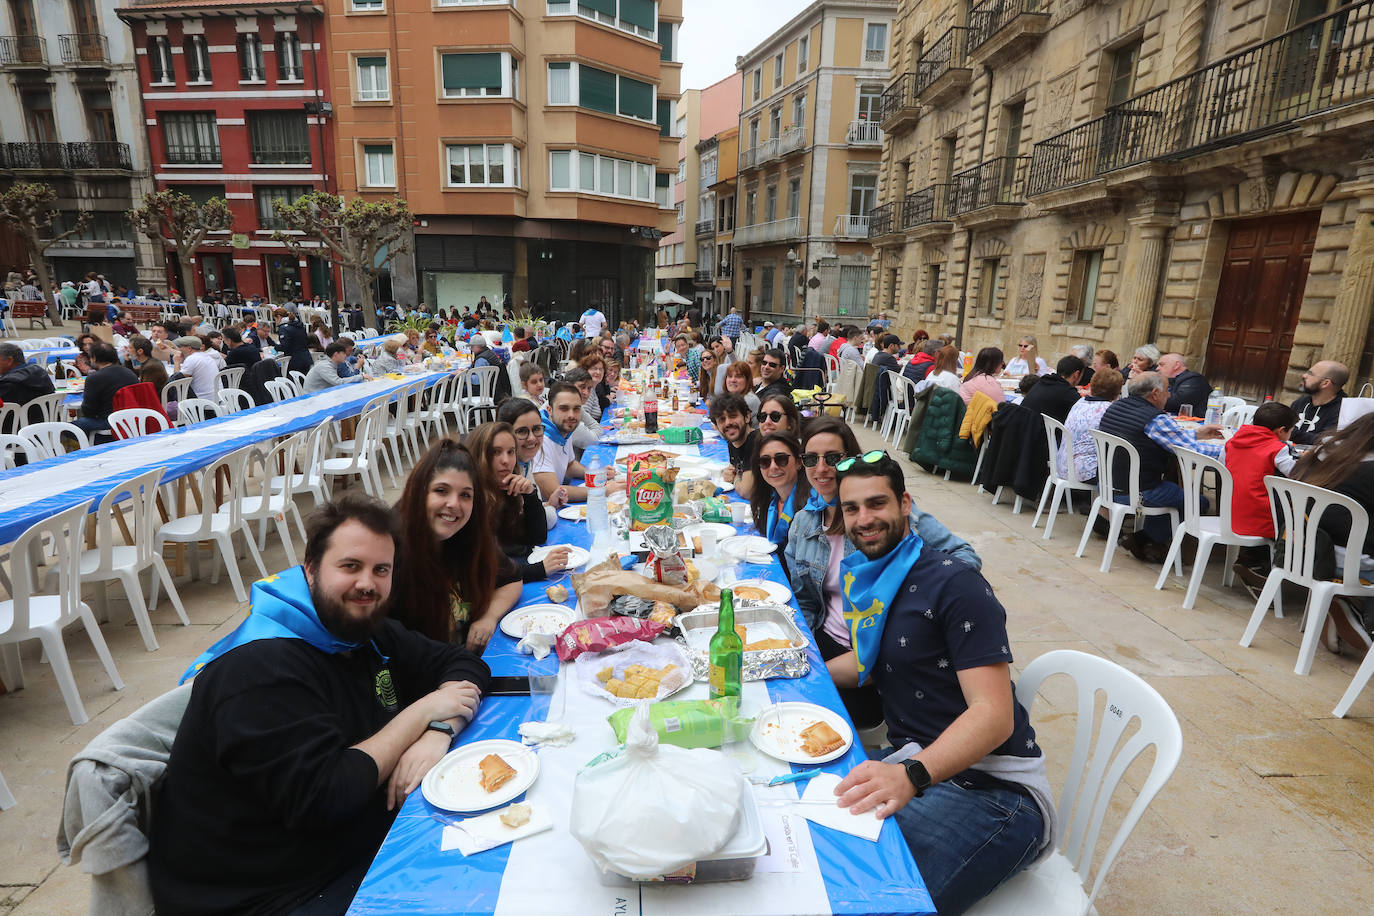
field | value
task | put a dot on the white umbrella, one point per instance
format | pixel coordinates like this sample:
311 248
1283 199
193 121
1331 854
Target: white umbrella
668 297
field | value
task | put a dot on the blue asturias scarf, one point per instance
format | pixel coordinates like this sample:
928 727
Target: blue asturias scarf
818 504
870 586
780 522
553 432
280 607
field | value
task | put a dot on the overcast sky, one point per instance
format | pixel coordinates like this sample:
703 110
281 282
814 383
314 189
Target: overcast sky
715 32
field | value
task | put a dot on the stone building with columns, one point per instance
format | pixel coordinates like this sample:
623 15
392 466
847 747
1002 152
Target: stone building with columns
1196 174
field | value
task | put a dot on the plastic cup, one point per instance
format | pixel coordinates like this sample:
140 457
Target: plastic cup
708 542
1185 410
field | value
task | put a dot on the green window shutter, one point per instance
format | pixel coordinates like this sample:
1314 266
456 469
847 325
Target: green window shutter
472 71
601 6
665 40
636 98
596 89
665 117
639 12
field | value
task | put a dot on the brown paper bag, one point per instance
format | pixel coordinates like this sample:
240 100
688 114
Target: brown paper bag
599 584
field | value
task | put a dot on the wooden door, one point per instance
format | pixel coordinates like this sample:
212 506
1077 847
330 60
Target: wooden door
1259 296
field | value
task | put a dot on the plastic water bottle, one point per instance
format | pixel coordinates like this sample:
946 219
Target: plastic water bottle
598 522
1215 409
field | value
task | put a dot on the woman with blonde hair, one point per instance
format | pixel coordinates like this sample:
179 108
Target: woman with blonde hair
1028 360
387 361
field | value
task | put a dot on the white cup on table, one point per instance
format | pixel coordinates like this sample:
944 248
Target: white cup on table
708 542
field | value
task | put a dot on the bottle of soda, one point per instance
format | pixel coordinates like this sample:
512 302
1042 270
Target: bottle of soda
726 651
650 411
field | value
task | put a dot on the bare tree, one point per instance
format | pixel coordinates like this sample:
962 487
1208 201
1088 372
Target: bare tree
173 220
30 210
362 236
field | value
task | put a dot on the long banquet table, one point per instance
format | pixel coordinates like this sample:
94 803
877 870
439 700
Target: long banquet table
809 869
36 491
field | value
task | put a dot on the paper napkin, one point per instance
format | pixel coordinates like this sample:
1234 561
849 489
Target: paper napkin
818 805
487 832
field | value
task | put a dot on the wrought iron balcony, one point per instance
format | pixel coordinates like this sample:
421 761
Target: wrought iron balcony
23 51
995 183
778 230
703 277
1006 28
705 226
880 220
1324 64
899 103
852 225
90 49
926 206
943 70
67 156
864 133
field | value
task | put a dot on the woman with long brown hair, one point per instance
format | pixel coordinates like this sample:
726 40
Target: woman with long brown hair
780 487
706 381
944 373
515 510
455 586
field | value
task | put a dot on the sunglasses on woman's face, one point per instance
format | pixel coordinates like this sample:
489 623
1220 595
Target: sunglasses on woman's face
774 415
783 459
811 459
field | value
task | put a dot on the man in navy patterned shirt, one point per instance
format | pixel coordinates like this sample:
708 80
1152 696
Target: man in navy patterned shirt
967 780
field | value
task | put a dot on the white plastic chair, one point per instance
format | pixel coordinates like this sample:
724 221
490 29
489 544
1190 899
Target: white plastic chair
10 448
281 389
890 413
1055 884
283 365
269 503
233 400
1209 530
6 796
117 561
45 439
210 525
12 416
228 378
902 395
1236 417
313 447
194 410
35 614
136 421
1063 487
483 379
361 457
175 391
832 371
1298 509
1230 402
434 414
53 407
1107 447
297 379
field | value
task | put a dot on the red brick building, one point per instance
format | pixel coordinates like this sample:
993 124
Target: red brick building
236 104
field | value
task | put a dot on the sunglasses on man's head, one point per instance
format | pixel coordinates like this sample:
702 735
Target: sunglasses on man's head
783 459
774 415
872 457
811 459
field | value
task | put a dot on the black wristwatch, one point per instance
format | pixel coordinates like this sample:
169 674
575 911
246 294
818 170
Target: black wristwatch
918 774
448 730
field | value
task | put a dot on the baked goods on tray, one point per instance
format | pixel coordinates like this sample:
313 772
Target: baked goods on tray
819 739
495 772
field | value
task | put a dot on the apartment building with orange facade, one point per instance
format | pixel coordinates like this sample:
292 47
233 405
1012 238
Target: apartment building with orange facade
533 140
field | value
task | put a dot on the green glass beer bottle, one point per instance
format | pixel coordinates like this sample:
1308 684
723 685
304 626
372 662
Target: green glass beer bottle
726 651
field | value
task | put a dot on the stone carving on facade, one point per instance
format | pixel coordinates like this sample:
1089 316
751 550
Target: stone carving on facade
1059 104
1032 283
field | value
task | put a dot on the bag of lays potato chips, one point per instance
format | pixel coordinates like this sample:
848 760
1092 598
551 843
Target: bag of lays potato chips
651 500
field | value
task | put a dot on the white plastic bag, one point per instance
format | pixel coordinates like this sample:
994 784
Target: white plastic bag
655 808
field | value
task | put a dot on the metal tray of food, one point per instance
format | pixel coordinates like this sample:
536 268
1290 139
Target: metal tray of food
697 626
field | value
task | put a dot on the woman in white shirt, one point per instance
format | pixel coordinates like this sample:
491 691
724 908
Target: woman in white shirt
944 373
1028 357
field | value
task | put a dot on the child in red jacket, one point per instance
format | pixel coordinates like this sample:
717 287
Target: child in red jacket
1258 449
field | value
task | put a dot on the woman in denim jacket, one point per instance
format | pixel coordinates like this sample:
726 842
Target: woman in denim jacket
816 544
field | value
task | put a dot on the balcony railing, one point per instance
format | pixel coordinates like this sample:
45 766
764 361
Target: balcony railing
791 140
1324 64
992 16
899 99
880 220
864 133
705 226
852 225
757 155
928 205
940 58
97 155
995 182
704 277
763 233
89 48
23 51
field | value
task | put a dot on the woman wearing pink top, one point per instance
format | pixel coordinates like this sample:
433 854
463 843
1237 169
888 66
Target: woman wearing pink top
987 365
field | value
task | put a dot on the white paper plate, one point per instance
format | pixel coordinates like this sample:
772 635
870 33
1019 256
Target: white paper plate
576 513
747 547
777 731
721 529
537 618
777 592
454 783
577 556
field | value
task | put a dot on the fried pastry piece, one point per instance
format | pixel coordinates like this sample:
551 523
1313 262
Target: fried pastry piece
557 593
495 772
761 644
819 738
752 592
517 815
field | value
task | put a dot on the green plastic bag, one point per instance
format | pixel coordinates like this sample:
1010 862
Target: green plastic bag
687 723
716 509
680 435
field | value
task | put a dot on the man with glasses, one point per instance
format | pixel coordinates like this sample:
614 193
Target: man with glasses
771 379
966 782
1319 408
730 416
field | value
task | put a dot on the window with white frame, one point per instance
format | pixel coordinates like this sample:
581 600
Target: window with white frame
577 84
863 193
770 204
638 17
803 52
681 212
870 103
775 121
682 171
777 72
366 5
758 84
379 165
289 57
483 165
794 198
875 42
489 74
474 2
573 170
799 109
708 168
373 84
197 59
160 60
250 59
680 128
